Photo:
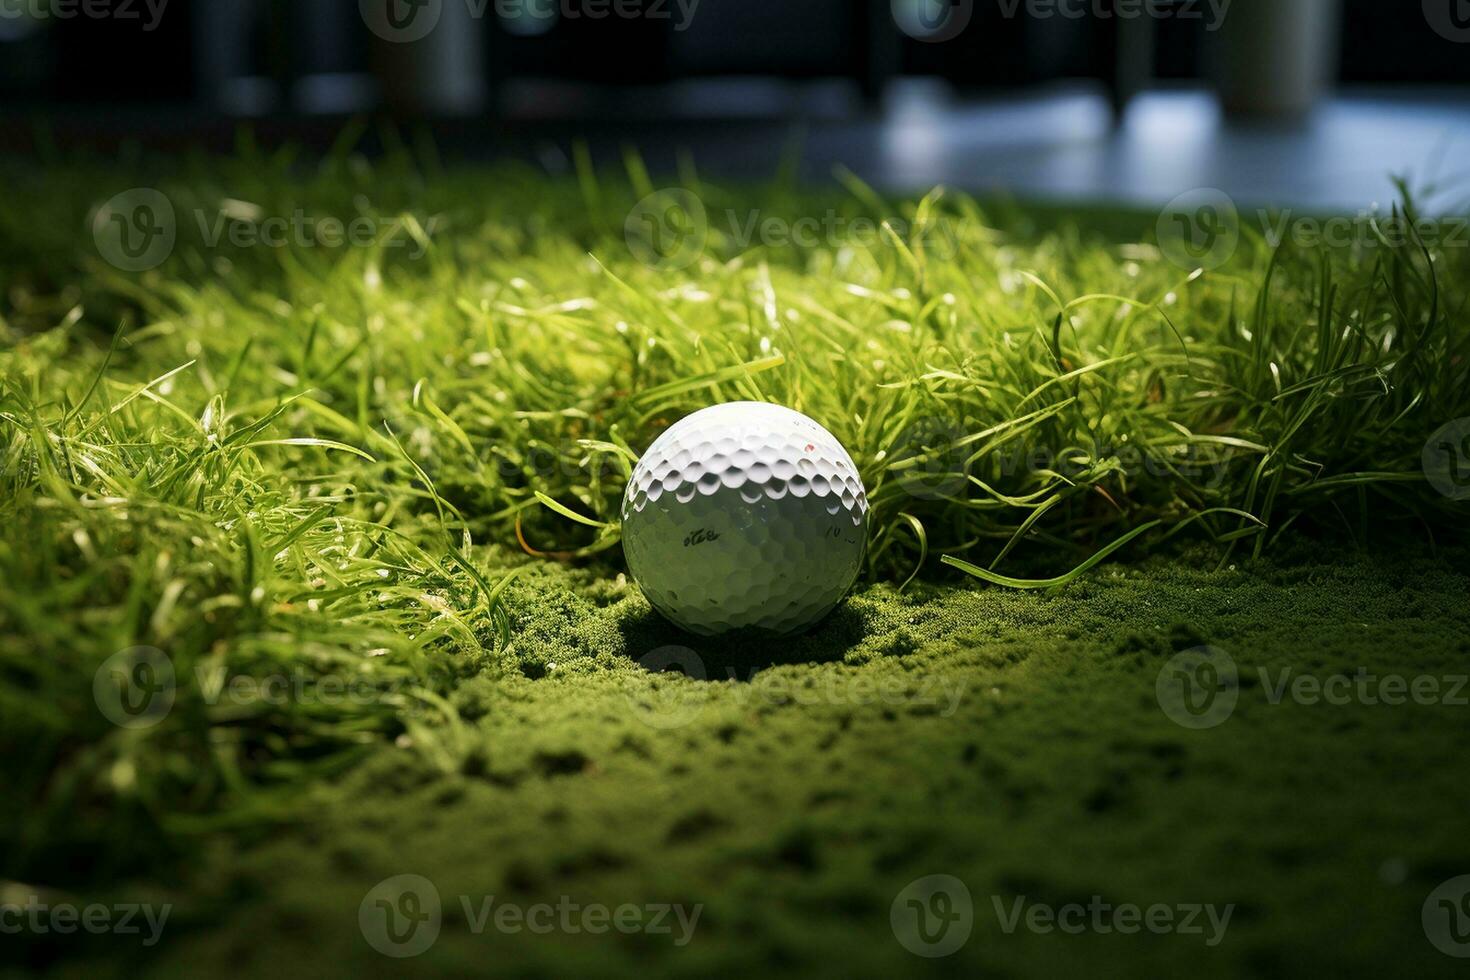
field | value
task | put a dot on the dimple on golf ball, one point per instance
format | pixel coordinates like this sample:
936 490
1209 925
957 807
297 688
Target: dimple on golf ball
745 515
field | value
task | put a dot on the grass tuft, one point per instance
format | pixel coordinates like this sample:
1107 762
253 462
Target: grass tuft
327 463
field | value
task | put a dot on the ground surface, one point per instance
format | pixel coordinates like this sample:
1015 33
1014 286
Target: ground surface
311 581
1012 740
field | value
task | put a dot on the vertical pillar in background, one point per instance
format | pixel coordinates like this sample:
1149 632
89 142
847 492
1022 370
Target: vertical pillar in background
437 68
882 50
1276 57
27 57
328 58
228 72
1135 45
1127 50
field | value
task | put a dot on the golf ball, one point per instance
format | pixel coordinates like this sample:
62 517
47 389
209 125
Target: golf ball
745 515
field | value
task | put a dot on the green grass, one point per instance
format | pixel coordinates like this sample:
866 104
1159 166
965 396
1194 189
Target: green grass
326 465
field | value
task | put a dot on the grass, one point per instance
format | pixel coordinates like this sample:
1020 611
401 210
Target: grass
393 472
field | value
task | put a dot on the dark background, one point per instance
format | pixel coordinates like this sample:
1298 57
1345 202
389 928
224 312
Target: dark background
1093 106
234 58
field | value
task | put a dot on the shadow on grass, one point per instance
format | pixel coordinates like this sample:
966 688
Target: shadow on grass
659 645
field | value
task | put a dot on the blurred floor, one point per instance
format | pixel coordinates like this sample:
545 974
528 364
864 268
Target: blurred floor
1057 144
1062 145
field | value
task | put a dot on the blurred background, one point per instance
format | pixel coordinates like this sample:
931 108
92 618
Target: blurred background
1310 102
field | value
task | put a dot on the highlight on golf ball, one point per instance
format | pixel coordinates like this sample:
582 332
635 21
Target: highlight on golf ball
745 515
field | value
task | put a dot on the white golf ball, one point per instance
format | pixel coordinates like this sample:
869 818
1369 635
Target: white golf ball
745 515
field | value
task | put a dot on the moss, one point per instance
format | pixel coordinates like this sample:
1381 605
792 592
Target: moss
1010 739
319 465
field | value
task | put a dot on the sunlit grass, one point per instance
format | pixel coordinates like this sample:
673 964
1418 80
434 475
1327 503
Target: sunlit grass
325 462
